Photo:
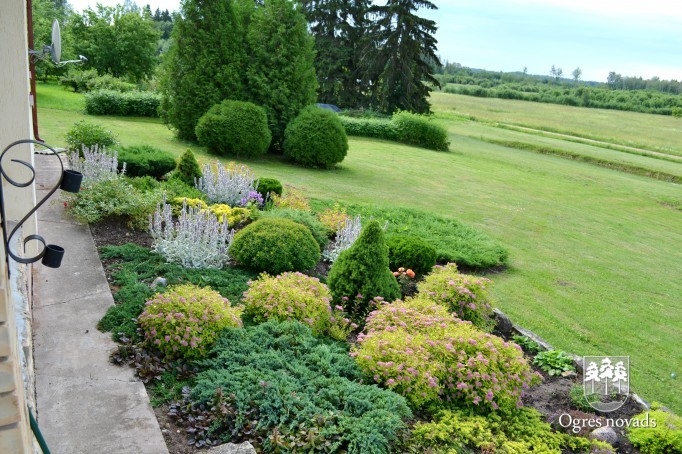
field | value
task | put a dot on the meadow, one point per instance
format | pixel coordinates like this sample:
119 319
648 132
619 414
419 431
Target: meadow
595 257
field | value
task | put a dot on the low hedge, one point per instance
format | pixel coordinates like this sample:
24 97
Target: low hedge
404 127
123 104
145 160
370 127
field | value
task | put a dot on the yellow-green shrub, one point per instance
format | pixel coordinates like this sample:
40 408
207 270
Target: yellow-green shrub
291 198
185 321
295 296
234 216
419 350
177 202
333 218
464 295
662 437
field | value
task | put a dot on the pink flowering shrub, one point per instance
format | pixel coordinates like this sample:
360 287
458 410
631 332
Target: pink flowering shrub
185 321
419 350
465 296
295 296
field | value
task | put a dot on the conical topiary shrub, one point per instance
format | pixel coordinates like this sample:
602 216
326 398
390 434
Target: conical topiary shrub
188 169
361 273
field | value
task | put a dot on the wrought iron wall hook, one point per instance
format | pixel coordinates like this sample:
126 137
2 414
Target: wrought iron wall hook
68 181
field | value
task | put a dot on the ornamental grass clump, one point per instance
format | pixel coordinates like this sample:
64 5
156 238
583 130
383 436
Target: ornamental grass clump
295 296
185 321
196 240
464 295
234 186
419 350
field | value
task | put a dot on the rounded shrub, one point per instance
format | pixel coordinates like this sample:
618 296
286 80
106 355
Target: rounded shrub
186 320
269 186
361 273
275 246
290 296
464 295
233 215
419 350
306 218
316 138
144 160
84 134
410 252
236 128
188 170
421 131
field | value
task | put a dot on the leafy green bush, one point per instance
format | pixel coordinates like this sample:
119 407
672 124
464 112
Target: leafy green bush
421 131
663 437
417 349
528 344
464 295
520 432
115 197
185 321
363 270
78 79
295 296
269 186
315 138
109 82
275 246
235 128
288 391
370 127
554 362
188 170
84 134
676 112
143 160
306 218
125 104
134 268
411 252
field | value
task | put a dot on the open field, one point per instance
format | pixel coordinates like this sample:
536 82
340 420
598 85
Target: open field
595 253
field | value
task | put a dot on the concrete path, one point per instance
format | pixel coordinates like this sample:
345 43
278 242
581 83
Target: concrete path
85 404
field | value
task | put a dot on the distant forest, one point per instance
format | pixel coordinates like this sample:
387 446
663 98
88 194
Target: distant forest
663 97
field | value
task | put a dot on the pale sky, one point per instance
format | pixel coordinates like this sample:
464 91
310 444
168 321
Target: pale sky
632 38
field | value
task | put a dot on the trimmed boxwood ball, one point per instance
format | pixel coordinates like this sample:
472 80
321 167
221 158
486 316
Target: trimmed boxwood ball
275 245
236 128
269 185
144 160
410 252
306 218
361 273
316 138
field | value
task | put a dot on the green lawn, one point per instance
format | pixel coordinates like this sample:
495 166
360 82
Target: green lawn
595 253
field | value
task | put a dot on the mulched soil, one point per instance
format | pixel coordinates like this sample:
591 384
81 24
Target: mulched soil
550 397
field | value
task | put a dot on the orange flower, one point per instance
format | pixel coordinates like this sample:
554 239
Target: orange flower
410 273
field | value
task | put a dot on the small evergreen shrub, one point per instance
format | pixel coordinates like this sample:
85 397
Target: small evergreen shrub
664 438
188 170
421 131
186 320
287 391
419 350
234 128
84 134
306 218
122 104
410 252
362 270
174 187
269 186
295 296
464 295
236 216
145 160
275 246
316 138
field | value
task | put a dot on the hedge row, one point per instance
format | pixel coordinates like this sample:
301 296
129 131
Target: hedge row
126 104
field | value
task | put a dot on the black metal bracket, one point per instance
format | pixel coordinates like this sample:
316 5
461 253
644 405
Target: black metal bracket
69 181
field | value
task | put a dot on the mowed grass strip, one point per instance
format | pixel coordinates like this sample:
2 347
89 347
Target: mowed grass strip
655 132
595 257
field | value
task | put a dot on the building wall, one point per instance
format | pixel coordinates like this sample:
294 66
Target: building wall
15 124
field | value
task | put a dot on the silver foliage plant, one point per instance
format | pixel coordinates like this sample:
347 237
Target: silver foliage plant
96 165
346 235
196 240
229 186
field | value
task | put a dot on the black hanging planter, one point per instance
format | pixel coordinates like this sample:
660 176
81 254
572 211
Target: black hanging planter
71 181
53 256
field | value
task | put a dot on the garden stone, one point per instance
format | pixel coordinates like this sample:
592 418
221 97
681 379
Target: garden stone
233 448
159 281
606 434
504 324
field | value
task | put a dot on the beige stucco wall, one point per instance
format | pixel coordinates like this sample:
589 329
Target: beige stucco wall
15 124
